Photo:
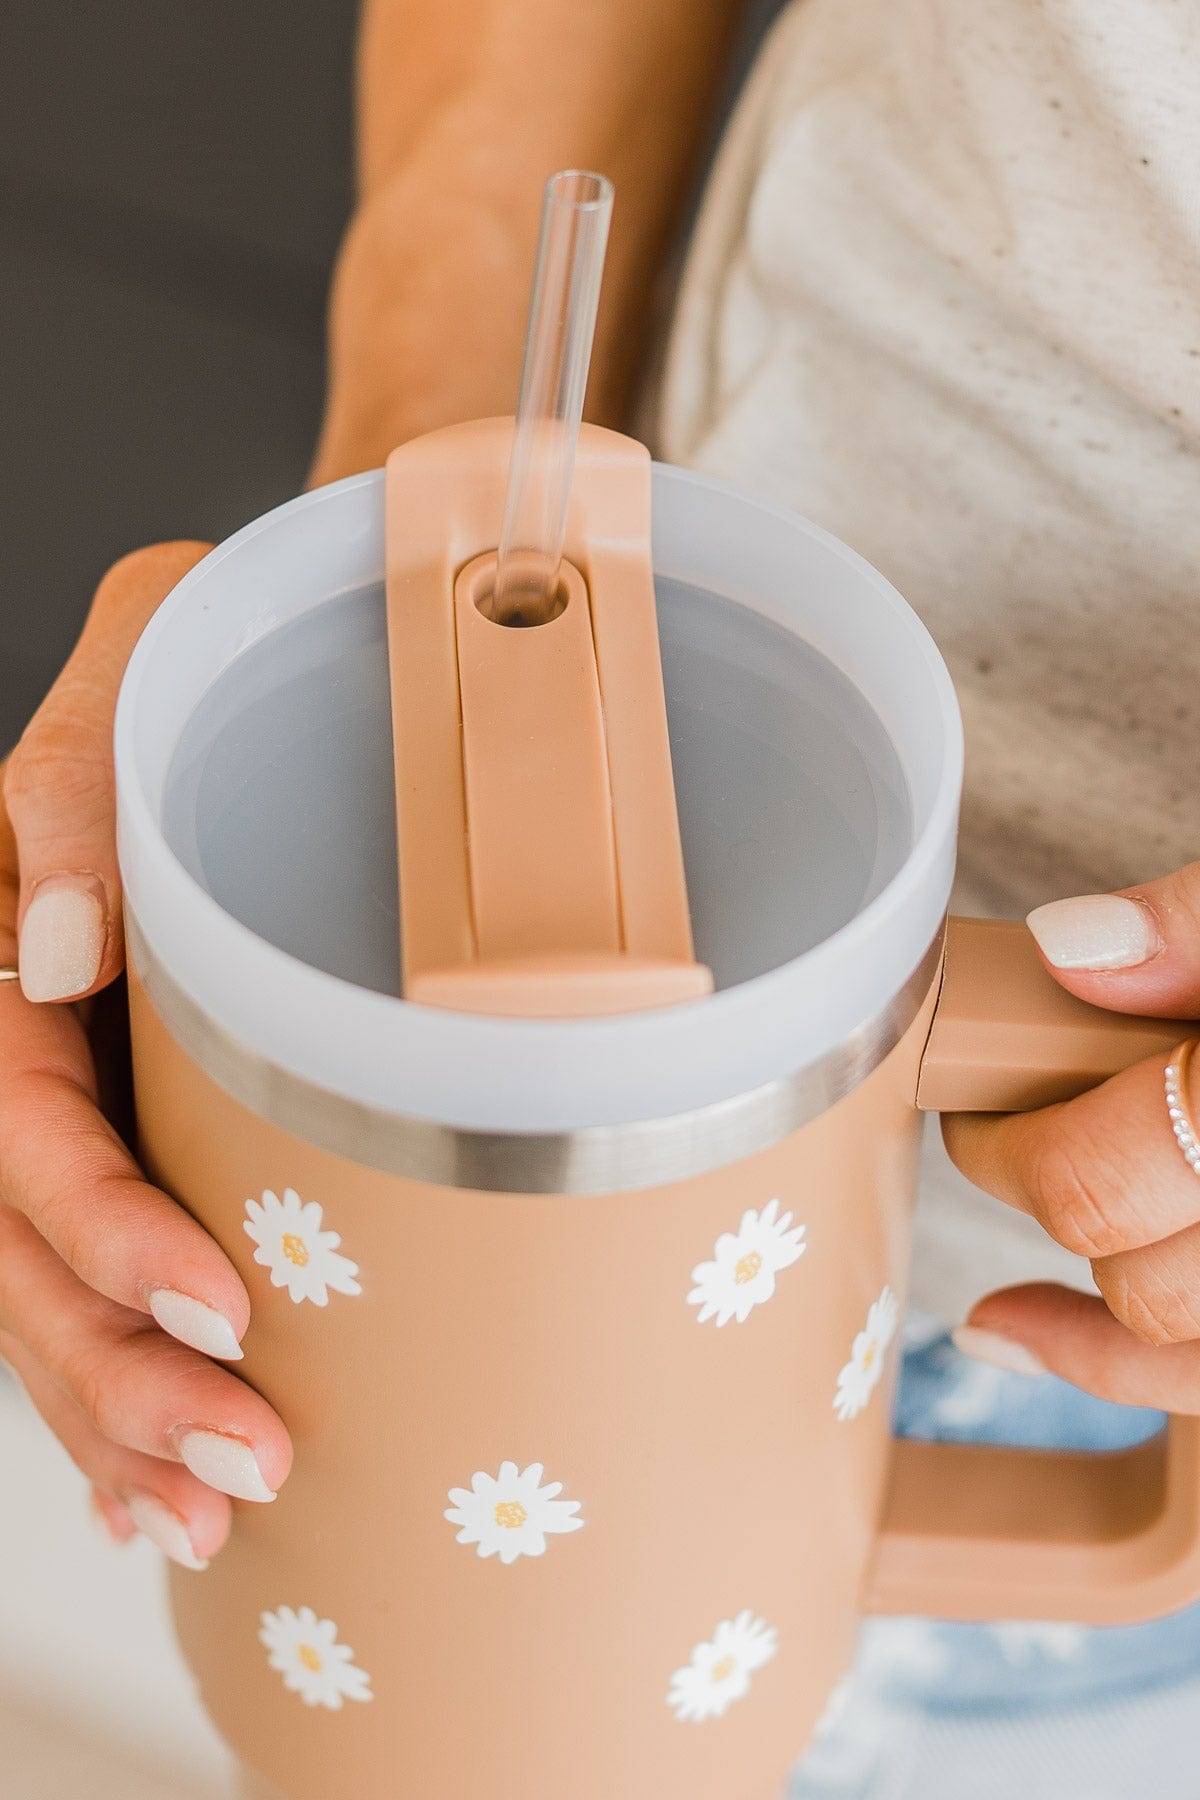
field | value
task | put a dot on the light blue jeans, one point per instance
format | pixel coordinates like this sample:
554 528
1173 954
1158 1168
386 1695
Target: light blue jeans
1011 1712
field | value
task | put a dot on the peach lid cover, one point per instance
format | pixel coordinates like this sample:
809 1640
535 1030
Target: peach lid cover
541 872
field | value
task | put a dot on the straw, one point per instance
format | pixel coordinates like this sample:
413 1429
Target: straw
576 211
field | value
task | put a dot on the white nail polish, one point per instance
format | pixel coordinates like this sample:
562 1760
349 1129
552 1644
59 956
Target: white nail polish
62 937
224 1463
1001 1352
164 1527
1094 931
193 1323
104 1524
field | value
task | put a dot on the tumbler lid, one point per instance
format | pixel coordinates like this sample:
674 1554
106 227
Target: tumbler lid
541 871
795 980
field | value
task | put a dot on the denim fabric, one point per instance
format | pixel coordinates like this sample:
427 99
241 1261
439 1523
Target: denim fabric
927 1703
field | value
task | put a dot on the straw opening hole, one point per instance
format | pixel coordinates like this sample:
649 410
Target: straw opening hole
579 188
523 607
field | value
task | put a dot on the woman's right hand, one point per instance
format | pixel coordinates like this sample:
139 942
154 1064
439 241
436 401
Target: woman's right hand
116 1308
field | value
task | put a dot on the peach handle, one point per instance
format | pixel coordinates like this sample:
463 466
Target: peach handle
974 1532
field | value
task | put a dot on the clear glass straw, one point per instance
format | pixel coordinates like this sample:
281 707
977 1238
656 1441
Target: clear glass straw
576 211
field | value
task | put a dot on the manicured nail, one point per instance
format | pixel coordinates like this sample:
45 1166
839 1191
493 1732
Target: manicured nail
164 1527
1094 931
224 1463
62 937
1001 1352
106 1514
194 1323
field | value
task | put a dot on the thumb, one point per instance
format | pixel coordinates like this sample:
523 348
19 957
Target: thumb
59 790
1137 951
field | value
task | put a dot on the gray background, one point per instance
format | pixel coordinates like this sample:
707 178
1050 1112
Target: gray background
173 183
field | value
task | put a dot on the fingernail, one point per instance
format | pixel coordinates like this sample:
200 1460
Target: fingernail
164 1527
103 1511
1094 931
193 1323
224 1463
1001 1352
62 937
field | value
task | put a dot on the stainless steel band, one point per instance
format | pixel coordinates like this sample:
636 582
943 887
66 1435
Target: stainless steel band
599 1159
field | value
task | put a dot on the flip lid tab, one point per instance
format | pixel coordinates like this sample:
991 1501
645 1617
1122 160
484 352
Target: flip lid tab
541 872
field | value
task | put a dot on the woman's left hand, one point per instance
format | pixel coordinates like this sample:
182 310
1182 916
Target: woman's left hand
1104 1173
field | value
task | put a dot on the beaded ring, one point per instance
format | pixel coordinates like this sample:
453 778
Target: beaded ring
1186 1135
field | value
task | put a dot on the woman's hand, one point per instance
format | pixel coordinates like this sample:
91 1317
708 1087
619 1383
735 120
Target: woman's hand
1104 1173
113 1302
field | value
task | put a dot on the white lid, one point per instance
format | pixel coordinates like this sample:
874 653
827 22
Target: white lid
536 1075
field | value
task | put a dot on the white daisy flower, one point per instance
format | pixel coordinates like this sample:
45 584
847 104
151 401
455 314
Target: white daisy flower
306 1652
858 1380
745 1264
719 1671
300 1256
511 1514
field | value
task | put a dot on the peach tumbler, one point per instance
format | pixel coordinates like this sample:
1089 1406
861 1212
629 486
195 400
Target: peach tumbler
619 1296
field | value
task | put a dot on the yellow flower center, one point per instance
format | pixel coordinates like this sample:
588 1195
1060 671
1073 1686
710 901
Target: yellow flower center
748 1268
721 1671
510 1515
869 1355
295 1249
308 1656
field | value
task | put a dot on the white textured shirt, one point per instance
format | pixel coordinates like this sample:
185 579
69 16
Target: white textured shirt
944 298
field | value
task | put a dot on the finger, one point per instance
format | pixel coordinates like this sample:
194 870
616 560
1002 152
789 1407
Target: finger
10 881
1103 1173
112 1516
59 793
1155 1291
64 1167
140 1389
1137 951
1076 1337
131 1492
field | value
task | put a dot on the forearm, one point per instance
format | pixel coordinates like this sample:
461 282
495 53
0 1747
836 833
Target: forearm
465 106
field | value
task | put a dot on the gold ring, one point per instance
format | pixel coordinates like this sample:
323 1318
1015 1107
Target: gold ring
1182 1124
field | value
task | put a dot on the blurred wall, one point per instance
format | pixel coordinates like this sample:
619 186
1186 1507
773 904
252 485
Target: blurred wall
173 183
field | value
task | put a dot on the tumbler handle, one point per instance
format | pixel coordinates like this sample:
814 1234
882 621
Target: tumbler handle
978 1532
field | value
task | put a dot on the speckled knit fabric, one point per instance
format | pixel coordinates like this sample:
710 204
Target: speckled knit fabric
944 298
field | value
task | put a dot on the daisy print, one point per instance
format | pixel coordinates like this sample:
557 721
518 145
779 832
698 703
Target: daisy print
744 1265
305 1651
300 1256
720 1669
511 1514
860 1377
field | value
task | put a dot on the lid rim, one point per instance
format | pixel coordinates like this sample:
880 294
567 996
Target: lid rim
602 1071
622 1158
